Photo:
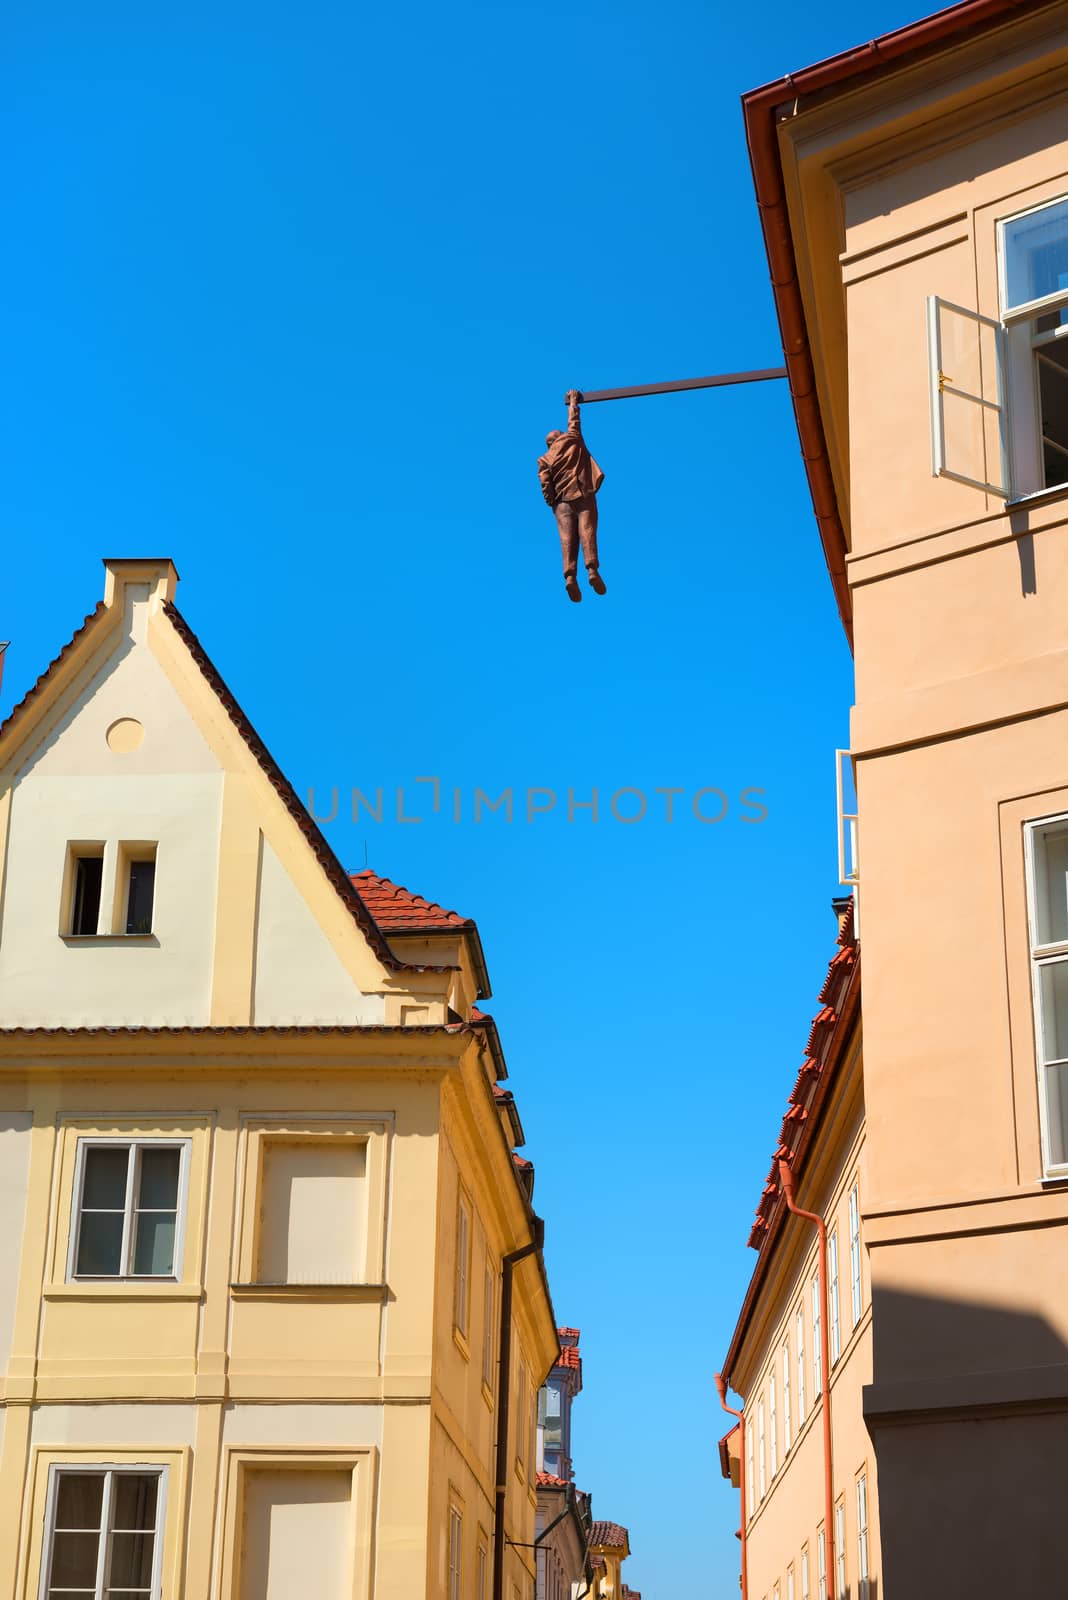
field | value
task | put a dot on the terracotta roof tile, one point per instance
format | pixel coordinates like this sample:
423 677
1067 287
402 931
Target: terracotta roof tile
569 1333
549 1480
569 1357
608 1536
397 910
35 688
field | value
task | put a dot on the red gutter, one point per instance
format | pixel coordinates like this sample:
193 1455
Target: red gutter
721 1390
759 108
786 1179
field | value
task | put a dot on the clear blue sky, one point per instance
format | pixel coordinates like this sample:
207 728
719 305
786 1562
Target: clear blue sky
293 294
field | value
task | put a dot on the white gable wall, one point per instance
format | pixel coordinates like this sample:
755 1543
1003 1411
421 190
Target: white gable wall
298 977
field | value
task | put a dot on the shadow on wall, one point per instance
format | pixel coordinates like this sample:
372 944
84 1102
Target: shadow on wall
968 1413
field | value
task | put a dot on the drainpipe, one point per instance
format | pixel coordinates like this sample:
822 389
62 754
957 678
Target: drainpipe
721 1390
504 1395
786 1178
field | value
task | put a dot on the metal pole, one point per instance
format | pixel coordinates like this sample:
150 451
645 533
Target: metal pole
720 381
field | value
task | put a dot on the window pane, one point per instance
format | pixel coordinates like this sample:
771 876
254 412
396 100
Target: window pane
131 1560
100 1244
79 1497
1053 981
1057 1114
159 1179
74 1560
139 901
133 1505
1051 886
154 1244
85 911
104 1185
1036 254
1051 360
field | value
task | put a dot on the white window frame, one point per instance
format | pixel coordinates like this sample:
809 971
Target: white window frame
773 1421
1042 956
1022 347
790 1583
787 1421
863 1571
461 1314
799 1324
839 1548
832 1296
856 1282
109 1469
817 1338
489 1317
762 1455
750 1474
805 1593
456 1552
133 1170
821 1563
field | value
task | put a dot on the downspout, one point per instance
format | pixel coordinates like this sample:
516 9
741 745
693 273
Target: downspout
786 1178
721 1390
504 1395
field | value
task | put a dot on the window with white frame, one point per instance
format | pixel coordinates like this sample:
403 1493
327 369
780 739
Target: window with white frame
839 1548
773 1423
787 1426
102 1537
789 1583
855 1286
805 1593
999 386
1047 851
750 1495
863 1584
799 1327
817 1339
461 1295
835 1329
777 1592
129 1205
481 1567
489 1317
821 1564
762 1457
456 1554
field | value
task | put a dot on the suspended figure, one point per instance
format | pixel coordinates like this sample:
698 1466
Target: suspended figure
570 479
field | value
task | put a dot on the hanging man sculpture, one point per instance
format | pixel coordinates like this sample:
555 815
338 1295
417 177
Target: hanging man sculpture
570 479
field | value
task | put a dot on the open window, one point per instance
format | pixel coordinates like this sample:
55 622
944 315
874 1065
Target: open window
135 887
999 388
1033 266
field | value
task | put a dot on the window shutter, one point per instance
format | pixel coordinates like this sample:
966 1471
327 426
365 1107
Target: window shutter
969 429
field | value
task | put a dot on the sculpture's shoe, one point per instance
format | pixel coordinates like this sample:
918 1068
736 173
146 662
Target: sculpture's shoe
571 584
597 583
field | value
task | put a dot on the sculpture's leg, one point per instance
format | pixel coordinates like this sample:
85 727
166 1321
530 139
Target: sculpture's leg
587 525
567 526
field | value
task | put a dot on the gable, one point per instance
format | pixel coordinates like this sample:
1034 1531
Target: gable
131 745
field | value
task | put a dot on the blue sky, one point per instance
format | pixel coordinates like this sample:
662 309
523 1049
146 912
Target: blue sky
294 295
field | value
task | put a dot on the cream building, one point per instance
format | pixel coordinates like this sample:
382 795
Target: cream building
265 1248
914 199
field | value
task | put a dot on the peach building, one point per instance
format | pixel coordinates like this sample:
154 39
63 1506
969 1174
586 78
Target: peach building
273 1311
902 1352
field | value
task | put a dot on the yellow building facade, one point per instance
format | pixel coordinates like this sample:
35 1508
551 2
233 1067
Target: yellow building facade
259 1205
914 199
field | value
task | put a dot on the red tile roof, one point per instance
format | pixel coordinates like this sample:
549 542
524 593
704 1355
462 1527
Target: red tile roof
549 1480
818 1053
35 688
397 910
608 1536
569 1357
567 1333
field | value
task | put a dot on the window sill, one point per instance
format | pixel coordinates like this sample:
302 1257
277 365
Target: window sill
487 1395
460 1341
109 938
308 1291
122 1289
1037 497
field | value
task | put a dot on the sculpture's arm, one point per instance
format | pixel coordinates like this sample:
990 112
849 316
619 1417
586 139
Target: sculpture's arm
574 421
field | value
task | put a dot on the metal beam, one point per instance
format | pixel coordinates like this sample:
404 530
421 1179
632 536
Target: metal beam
723 379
